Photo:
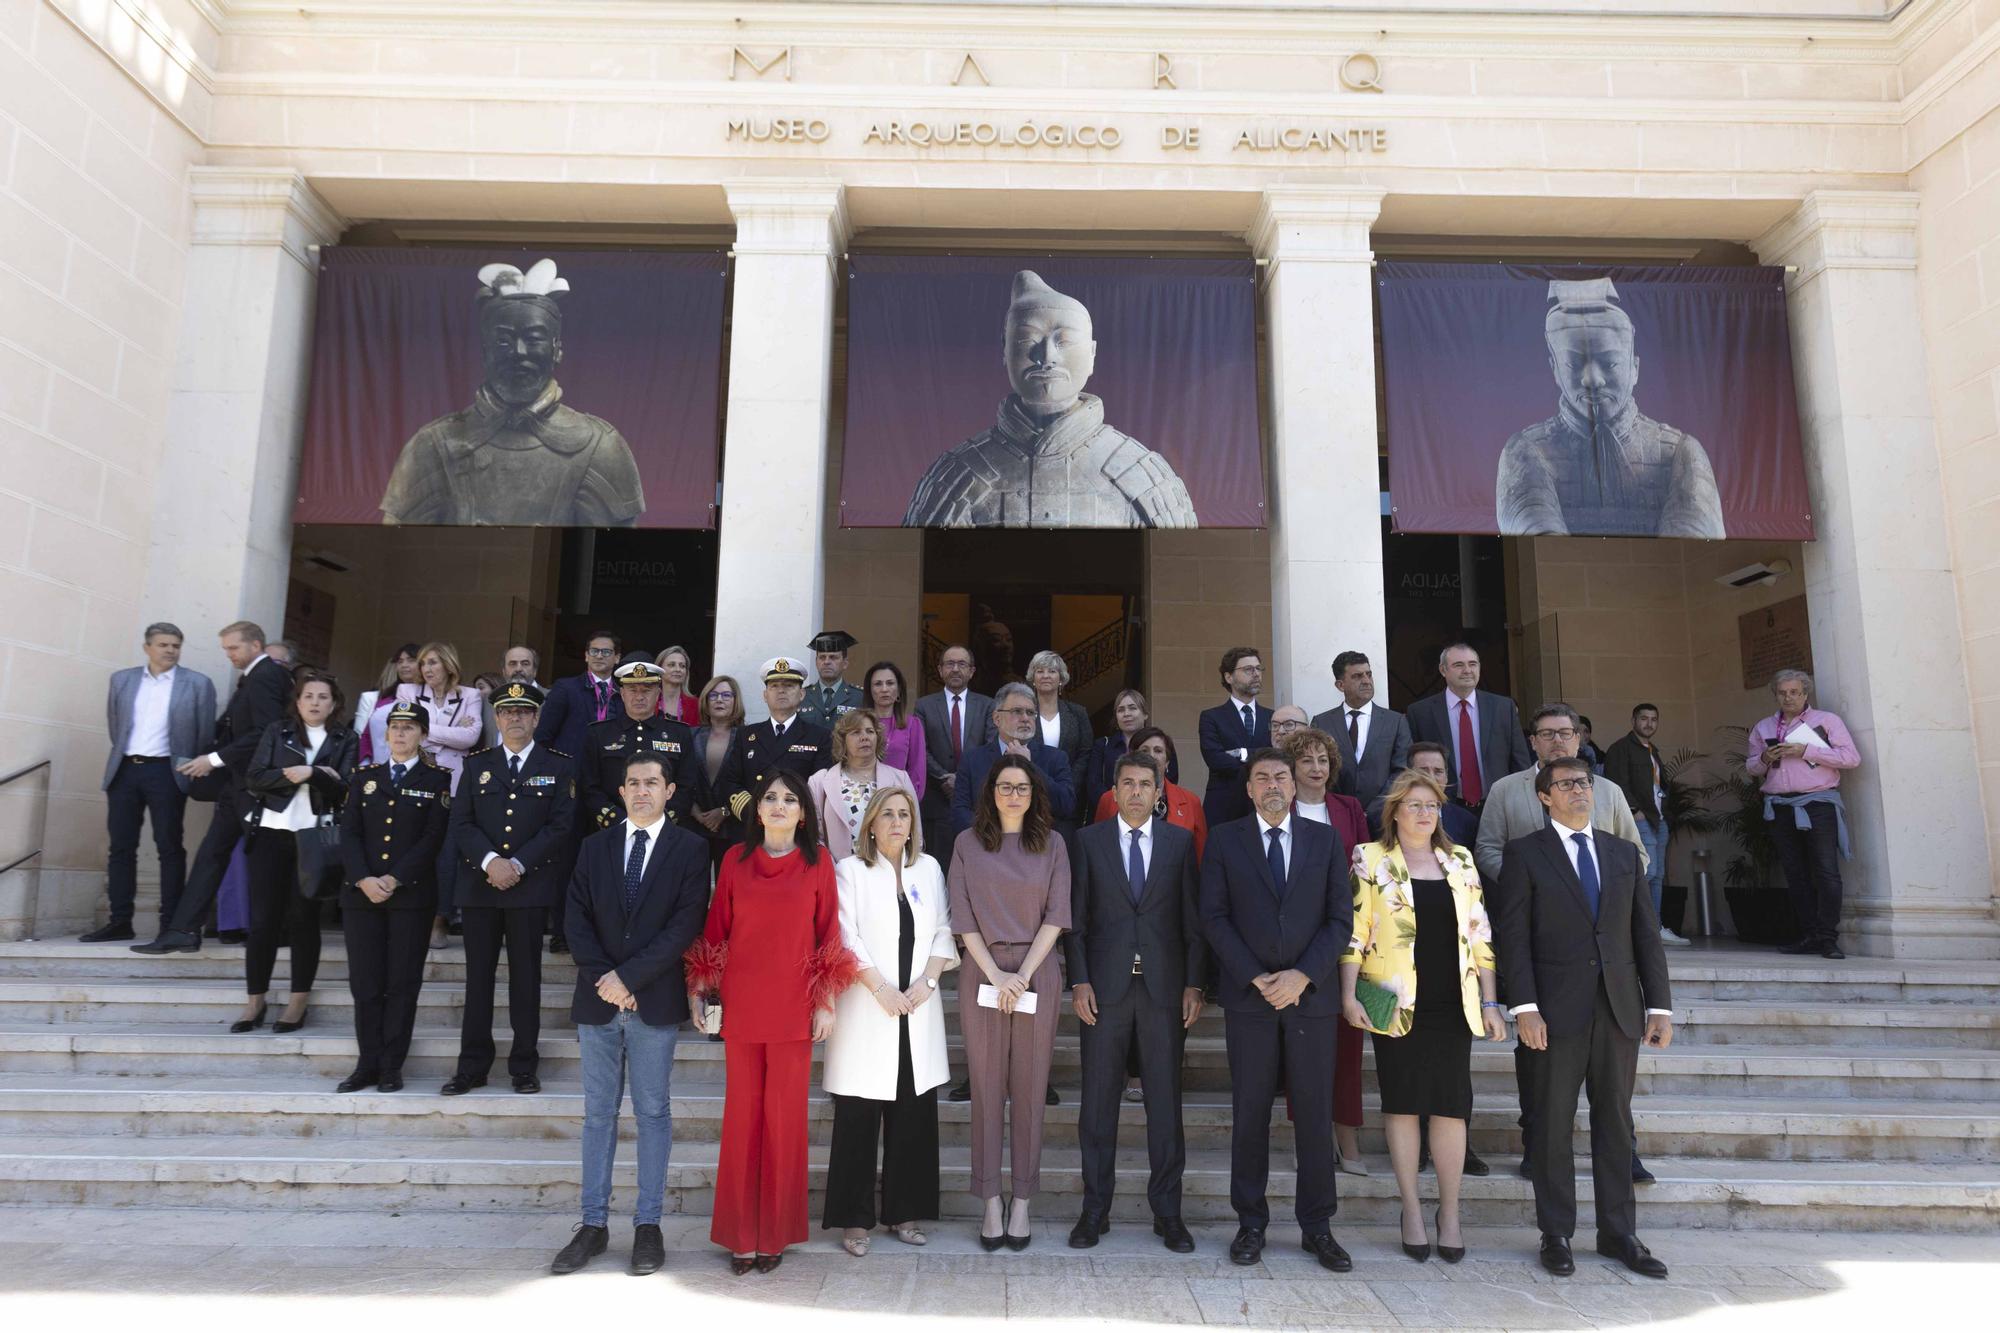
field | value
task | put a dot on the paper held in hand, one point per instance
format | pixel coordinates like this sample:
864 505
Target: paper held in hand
989 998
1804 735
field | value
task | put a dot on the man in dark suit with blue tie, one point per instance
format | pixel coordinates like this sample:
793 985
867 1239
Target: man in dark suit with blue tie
636 902
1579 944
1230 733
1278 910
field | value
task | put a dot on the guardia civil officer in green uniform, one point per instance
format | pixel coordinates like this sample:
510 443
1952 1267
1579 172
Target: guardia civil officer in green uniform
640 730
392 829
510 829
830 696
785 740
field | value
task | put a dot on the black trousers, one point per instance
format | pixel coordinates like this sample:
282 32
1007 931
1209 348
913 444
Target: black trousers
907 1129
1811 861
1604 1062
1269 1051
278 914
1134 1024
138 792
486 930
211 861
386 951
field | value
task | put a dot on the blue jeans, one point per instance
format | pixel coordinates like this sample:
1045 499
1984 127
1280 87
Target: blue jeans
626 1043
1653 837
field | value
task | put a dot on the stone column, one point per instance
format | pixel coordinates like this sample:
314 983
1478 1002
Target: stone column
1887 649
1325 487
772 560
222 523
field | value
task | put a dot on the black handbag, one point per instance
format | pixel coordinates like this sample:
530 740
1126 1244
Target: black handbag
321 870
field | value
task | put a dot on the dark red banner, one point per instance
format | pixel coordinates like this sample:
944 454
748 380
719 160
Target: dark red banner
545 387
1591 402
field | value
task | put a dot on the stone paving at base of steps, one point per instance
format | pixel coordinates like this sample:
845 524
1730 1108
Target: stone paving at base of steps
217 1268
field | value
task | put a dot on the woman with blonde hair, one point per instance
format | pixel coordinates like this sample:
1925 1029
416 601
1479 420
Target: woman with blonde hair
886 1058
841 794
675 701
1419 975
1063 724
457 720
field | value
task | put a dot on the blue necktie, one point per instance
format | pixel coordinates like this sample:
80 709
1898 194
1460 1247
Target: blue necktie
396 772
513 768
1250 722
1276 856
1135 869
1586 870
635 869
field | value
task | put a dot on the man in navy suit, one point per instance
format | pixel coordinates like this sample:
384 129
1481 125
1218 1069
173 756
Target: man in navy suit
1278 910
577 703
1014 714
1462 717
158 716
1230 733
636 902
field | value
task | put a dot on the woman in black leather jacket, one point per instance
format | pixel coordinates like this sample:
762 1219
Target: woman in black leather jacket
298 777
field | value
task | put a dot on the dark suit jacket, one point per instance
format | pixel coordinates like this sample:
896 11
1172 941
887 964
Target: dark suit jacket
1552 953
1107 928
261 699
1503 746
529 821
644 948
1386 754
1221 731
190 717
373 841
1254 927
972 771
934 711
568 713
1627 764
1073 738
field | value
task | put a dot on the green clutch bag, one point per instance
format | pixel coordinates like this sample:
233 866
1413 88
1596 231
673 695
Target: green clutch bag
1379 1002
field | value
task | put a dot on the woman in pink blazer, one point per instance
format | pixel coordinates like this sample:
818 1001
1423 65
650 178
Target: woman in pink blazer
841 793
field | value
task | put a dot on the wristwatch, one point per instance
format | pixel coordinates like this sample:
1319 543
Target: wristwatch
931 979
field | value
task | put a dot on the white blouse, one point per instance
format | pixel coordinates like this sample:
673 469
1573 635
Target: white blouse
298 813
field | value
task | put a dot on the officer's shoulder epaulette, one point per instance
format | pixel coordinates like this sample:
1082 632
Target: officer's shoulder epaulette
370 768
558 753
429 762
484 749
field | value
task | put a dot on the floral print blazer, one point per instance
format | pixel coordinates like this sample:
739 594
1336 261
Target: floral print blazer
1385 929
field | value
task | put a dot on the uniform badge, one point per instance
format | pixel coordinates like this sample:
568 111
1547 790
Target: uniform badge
572 789
368 787
485 776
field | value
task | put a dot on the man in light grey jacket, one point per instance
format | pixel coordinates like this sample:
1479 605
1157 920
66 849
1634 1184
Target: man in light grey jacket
159 716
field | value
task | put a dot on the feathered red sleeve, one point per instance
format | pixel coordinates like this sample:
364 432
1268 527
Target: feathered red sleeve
830 967
709 953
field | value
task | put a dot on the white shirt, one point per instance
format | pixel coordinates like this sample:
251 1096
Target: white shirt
652 832
1316 813
963 708
1052 730
151 705
214 758
1348 712
298 812
1575 851
491 857
1453 711
1145 832
1284 839
1237 706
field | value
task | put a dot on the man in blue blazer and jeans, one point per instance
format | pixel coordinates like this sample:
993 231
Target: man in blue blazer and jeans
636 902
1277 908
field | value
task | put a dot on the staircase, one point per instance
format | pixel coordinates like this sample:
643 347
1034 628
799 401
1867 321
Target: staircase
1798 1094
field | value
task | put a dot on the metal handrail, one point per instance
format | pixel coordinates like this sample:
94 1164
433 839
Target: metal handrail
22 773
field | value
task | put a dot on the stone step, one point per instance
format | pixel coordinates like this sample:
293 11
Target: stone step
542 1176
1742 1129
1918 1076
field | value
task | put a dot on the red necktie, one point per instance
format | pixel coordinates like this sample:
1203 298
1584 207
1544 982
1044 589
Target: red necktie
1470 789
957 737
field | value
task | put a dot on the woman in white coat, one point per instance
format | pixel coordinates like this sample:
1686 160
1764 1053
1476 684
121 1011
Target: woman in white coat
886 1058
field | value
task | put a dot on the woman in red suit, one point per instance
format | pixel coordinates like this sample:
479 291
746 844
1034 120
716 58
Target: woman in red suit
775 898
1177 805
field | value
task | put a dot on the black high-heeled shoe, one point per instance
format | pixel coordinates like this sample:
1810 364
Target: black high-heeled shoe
251 1024
1451 1254
282 1026
992 1243
1421 1253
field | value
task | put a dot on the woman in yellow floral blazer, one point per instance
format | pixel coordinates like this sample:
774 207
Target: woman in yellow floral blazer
1422 939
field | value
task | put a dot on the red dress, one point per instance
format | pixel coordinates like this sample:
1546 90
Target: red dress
772 948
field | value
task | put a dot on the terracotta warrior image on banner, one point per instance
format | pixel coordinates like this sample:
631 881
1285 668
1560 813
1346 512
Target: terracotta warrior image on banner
1704 445
628 440
1126 394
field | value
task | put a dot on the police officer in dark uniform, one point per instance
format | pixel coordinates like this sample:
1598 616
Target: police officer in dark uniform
392 828
642 730
785 740
510 830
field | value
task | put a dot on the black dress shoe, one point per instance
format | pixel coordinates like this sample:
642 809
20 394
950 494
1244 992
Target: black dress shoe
460 1084
649 1250
585 1245
1174 1233
1628 1251
171 941
1832 951
1017 1243
391 1081
1083 1236
1640 1175
1327 1250
991 1243
1805 946
107 933
1475 1165
1526 1170
526 1083
251 1024
356 1081
961 1091
1248 1246
557 944
768 1263
1556 1256
1052 1099
285 1025
739 1265
232 936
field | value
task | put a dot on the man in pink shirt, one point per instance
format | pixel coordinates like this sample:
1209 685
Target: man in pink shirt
1799 755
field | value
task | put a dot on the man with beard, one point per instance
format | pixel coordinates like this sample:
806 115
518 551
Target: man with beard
1599 466
1050 461
518 456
